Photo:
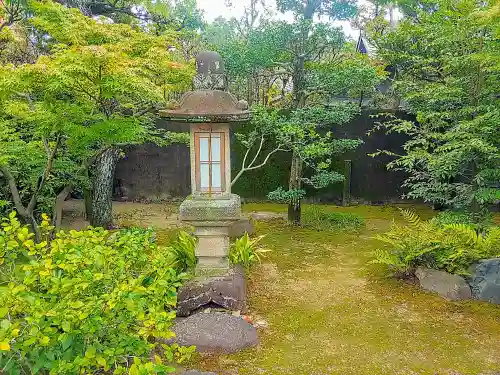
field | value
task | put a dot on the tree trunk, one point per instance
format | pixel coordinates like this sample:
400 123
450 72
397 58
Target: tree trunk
57 212
299 101
87 201
102 188
294 207
346 195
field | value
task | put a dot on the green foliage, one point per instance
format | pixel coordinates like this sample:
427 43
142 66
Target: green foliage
286 196
318 218
182 253
450 247
301 132
246 252
86 302
448 62
335 9
479 221
94 85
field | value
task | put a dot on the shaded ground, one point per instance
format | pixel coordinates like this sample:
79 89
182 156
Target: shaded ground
330 312
158 216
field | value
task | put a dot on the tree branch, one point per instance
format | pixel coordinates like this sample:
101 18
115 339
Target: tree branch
57 212
51 154
14 191
251 168
266 159
258 151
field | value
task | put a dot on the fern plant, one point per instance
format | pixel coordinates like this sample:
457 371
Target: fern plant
182 252
452 247
245 251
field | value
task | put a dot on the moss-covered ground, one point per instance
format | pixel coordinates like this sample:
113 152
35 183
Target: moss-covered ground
330 312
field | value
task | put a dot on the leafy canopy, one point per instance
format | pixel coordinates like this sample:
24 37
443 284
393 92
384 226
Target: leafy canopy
98 85
448 63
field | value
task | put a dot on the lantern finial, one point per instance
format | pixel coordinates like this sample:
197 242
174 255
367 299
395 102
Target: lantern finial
211 73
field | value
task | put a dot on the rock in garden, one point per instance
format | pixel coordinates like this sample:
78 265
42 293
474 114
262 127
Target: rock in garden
484 280
447 285
241 227
215 333
227 291
267 216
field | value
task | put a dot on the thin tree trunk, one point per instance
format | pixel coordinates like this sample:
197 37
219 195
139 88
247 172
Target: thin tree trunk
87 201
102 188
250 92
34 227
57 213
294 207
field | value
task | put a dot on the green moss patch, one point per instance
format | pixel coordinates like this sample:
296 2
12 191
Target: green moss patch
329 312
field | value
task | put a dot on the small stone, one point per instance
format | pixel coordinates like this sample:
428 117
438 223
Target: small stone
261 324
215 333
207 311
447 285
236 313
484 280
267 216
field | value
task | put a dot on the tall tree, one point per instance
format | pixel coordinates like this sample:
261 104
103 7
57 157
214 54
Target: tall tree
96 92
308 49
448 62
333 70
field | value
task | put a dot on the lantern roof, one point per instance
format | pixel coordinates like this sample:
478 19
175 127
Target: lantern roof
208 106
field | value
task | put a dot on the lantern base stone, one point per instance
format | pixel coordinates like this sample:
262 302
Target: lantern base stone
212 218
227 291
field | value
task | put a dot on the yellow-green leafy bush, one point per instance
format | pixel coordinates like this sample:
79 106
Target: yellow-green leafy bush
86 302
182 252
246 251
452 247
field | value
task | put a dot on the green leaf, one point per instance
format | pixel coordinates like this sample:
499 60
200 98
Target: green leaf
90 352
66 326
5 324
3 311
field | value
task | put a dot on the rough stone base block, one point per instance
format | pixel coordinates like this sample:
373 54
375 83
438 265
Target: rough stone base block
452 287
227 291
215 333
484 280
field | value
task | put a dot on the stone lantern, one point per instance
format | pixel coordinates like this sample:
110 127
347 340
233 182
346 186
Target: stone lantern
211 209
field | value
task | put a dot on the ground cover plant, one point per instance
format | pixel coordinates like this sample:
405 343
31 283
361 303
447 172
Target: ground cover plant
315 216
432 244
89 301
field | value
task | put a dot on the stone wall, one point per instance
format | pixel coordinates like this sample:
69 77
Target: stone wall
149 172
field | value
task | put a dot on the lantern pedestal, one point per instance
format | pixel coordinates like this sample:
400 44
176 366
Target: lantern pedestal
211 216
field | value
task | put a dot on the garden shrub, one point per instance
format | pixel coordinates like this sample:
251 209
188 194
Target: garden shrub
87 301
245 251
318 218
450 247
480 221
182 252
